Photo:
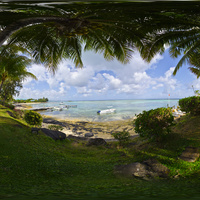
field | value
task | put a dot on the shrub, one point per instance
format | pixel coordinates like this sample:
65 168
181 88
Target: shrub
8 105
33 118
55 127
155 123
123 137
190 105
19 114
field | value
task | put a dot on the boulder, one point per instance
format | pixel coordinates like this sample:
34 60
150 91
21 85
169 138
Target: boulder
53 121
190 154
133 169
147 169
56 135
96 142
34 130
89 134
156 167
76 137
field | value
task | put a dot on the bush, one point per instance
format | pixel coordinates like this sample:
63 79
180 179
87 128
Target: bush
8 105
155 123
190 105
123 137
19 114
33 118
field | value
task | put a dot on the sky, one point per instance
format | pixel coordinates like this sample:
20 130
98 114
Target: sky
107 80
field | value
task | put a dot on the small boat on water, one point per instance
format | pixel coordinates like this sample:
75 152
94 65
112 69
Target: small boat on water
106 111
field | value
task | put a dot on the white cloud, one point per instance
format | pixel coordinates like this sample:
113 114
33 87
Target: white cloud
168 81
100 77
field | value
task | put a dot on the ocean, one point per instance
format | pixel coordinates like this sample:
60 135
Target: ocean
87 110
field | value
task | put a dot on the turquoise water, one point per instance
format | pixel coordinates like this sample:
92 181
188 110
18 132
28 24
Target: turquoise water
87 110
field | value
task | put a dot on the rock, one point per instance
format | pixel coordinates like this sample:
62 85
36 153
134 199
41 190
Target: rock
147 169
158 168
53 121
96 142
56 135
76 137
133 169
34 130
89 134
191 154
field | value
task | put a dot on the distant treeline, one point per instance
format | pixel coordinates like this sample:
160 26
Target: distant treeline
31 100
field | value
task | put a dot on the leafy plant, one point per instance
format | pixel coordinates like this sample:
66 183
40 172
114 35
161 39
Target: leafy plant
7 105
190 105
19 114
33 118
123 137
55 127
155 123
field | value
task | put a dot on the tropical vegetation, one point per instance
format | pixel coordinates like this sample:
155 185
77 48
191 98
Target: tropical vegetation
13 70
33 118
31 100
35 166
190 105
155 123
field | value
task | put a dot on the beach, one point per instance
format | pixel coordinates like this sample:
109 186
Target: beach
77 127
97 129
84 119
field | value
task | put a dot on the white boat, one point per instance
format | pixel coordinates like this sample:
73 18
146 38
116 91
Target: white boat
177 113
57 108
106 111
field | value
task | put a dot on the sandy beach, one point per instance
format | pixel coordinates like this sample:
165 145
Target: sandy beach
80 127
98 129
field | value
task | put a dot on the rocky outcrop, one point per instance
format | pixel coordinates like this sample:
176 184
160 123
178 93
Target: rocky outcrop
76 137
53 121
96 142
148 169
89 134
56 135
34 130
190 154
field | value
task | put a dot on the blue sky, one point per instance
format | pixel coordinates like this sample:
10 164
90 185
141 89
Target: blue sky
100 79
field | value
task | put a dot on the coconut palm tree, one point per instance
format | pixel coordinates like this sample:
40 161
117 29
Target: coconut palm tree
194 61
13 65
179 29
67 33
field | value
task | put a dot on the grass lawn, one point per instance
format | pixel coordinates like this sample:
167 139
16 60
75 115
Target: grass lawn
37 167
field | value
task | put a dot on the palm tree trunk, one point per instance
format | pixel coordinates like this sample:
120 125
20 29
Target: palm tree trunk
1 85
4 99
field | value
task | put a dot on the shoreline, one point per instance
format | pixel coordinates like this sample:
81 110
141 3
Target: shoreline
24 106
99 129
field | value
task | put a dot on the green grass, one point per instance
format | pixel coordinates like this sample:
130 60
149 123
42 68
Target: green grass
37 167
